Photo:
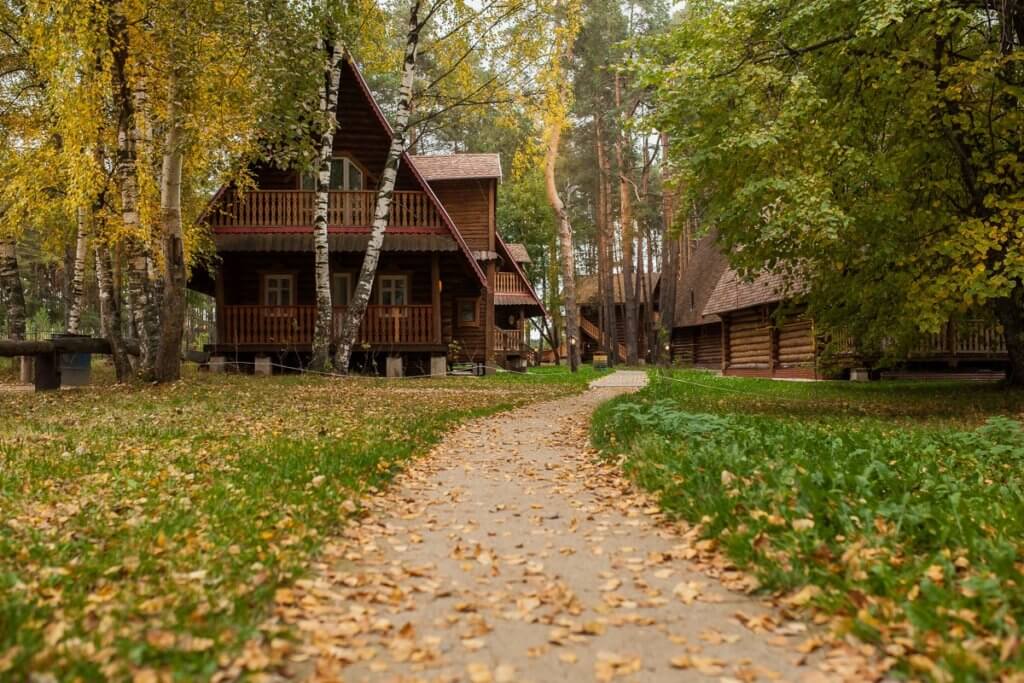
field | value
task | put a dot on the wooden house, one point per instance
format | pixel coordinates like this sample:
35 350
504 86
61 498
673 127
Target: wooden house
757 327
447 286
697 336
591 313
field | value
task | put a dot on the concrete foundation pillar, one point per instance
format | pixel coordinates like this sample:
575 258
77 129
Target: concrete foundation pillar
860 375
262 366
26 369
438 366
394 366
218 364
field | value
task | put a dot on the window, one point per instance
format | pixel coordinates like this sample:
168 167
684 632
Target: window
278 290
345 175
693 301
466 312
393 290
341 289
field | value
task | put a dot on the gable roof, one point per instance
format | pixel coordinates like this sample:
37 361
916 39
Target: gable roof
733 293
500 243
458 166
407 160
700 275
588 289
518 252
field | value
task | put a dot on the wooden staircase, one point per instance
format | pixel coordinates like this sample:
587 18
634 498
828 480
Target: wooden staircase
594 332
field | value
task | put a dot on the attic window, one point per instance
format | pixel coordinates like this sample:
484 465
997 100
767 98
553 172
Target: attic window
693 301
345 175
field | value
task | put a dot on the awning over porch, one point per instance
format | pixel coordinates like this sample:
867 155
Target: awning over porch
292 241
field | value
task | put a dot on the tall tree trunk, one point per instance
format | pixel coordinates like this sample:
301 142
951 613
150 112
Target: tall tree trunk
567 257
382 212
604 248
76 298
145 316
1010 313
670 260
334 55
554 298
626 222
172 299
14 294
110 312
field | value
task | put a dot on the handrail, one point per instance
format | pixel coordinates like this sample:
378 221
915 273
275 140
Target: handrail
295 208
287 326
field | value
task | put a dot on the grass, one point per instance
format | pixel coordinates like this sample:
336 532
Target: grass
148 527
897 508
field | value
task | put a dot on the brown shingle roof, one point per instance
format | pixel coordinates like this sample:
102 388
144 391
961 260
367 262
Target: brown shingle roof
699 276
587 292
518 252
733 293
458 166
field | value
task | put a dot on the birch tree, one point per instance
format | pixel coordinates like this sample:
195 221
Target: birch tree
385 191
334 56
77 289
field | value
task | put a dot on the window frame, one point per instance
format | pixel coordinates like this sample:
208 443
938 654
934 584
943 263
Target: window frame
474 302
348 162
337 277
265 288
404 277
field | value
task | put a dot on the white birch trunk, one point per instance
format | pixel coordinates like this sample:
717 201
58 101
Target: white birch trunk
382 211
323 332
78 279
110 313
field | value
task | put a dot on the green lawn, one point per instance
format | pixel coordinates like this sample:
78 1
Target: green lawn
898 508
150 526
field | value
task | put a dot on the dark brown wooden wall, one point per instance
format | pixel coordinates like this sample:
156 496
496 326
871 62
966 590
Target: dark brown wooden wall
698 345
757 345
469 204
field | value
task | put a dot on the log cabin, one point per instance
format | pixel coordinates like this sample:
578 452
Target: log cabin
448 288
591 313
760 328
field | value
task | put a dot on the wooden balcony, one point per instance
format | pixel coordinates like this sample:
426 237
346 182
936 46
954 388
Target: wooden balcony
295 208
291 327
509 341
509 283
965 339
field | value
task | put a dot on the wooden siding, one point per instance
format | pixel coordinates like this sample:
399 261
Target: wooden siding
698 346
469 203
756 345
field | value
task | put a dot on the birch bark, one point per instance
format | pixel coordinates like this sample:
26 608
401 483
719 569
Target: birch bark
77 298
14 294
334 54
382 212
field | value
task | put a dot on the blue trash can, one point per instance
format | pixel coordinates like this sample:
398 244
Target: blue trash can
75 368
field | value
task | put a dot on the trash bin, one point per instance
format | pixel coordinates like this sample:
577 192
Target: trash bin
600 361
75 368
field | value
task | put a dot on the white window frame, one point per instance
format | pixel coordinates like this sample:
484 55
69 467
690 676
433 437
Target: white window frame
272 283
347 164
337 289
382 287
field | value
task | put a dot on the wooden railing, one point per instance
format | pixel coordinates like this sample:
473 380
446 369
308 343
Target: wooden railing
964 338
594 332
295 208
509 340
509 283
292 326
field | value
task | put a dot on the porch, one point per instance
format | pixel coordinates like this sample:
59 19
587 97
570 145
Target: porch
291 327
295 208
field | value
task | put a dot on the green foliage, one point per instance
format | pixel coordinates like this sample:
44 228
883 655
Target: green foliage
871 148
911 529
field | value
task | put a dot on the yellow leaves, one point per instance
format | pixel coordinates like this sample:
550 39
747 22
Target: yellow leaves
709 666
804 596
935 573
805 524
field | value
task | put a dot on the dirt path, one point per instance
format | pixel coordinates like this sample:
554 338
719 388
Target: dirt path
510 554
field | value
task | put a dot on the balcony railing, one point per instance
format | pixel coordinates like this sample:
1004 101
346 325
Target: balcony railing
295 208
508 283
509 340
964 338
292 326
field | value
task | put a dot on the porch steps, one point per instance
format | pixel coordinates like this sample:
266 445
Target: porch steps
595 333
